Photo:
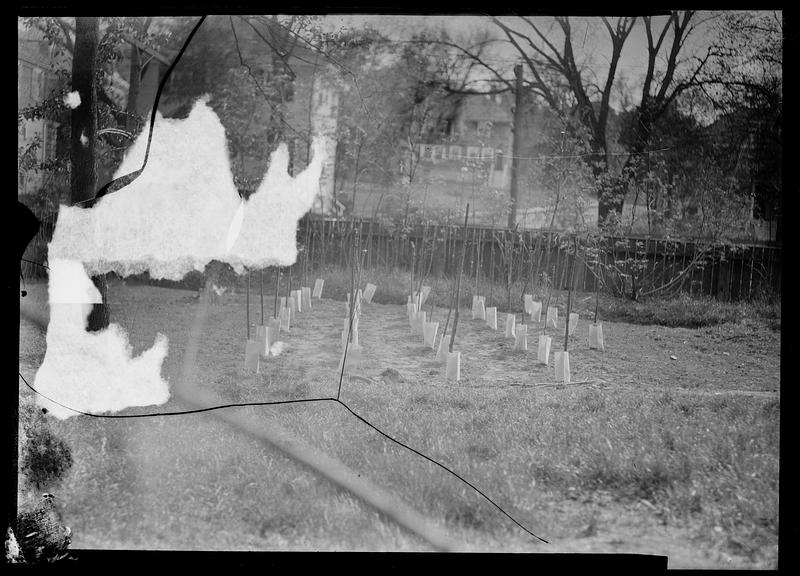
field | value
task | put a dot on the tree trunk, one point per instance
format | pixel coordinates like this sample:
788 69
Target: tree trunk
612 192
516 145
133 86
611 198
83 138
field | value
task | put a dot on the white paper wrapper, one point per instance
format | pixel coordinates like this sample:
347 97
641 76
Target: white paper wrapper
573 322
521 337
552 317
429 330
454 366
544 349
511 321
536 311
596 336
369 292
562 367
318 285
491 317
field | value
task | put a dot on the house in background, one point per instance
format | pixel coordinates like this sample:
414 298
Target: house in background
468 158
310 106
459 155
307 107
36 77
477 136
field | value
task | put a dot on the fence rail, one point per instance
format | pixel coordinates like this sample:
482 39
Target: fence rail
728 272
621 264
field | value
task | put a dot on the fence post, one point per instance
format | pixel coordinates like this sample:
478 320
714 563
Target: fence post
723 279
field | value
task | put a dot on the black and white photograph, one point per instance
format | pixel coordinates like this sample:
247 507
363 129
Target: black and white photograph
389 283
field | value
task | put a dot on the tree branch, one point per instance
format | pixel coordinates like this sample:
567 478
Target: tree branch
66 30
543 37
618 38
554 63
466 52
677 41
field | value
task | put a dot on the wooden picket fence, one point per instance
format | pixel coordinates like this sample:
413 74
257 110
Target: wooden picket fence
726 272
658 266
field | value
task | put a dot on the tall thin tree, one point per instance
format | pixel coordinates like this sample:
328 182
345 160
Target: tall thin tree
83 138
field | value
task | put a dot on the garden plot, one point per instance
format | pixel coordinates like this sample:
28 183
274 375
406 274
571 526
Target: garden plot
641 453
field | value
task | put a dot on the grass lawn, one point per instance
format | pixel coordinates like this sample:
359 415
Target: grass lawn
645 454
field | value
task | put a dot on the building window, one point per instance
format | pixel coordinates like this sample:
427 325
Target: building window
473 152
487 153
501 129
498 160
24 86
36 84
455 152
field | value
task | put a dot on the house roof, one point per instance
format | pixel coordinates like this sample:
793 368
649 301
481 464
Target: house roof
488 107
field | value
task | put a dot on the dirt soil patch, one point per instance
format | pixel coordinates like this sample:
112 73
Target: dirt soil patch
730 359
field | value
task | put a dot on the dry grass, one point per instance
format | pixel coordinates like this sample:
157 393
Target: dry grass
681 310
702 464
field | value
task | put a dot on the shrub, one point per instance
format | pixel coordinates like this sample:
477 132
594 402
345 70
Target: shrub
45 458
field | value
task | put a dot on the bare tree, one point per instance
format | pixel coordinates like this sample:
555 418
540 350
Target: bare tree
573 89
83 137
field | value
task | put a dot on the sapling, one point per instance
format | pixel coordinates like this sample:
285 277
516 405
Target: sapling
277 288
351 303
555 268
433 297
261 292
524 244
596 286
566 332
549 294
475 264
421 263
449 313
510 265
353 263
448 260
452 256
491 266
363 255
413 261
569 293
548 283
436 280
307 250
458 281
